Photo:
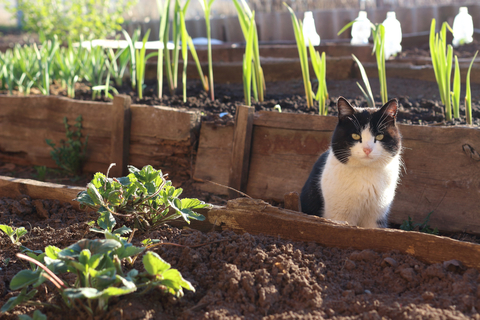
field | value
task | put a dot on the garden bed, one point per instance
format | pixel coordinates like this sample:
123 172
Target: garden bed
296 269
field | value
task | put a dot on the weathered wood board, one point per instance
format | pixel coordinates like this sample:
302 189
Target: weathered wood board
14 187
25 123
213 157
439 175
258 217
163 137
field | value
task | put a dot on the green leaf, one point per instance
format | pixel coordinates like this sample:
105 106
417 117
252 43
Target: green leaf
15 301
24 278
7 229
95 247
129 252
106 221
154 264
175 276
122 230
52 252
37 315
95 195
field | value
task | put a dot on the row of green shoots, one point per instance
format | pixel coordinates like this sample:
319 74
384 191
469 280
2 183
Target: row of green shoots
103 268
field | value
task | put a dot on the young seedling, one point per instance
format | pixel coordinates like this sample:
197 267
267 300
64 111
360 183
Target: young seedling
468 95
410 225
456 91
131 49
247 63
207 6
319 64
302 53
72 153
14 233
442 64
378 31
246 19
144 196
141 61
367 92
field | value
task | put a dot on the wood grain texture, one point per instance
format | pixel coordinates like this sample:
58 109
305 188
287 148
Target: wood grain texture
120 136
26 122
14 187
438 176
240 155
213 157
258 217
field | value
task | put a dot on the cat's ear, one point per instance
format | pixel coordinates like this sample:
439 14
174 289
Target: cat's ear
390 109
345 109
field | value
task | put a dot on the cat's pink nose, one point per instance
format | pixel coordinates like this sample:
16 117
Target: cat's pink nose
367 151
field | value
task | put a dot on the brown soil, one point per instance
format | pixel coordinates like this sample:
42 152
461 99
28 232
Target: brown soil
253 277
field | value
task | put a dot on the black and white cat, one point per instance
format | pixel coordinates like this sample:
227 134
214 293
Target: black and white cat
355 179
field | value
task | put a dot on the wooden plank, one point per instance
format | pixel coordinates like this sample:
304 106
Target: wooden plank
258 217
13 187
120 134
294 121
292 201
213 157
163 123
26 122
438 175
281 160
242 140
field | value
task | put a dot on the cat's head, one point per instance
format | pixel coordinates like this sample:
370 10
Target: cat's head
366 136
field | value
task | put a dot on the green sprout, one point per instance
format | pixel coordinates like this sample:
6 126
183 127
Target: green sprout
207 6
14 233
410 225
302 53
247 63
367 92
456 90
468 95
442 64
141 61
185 40
378 31
131 49
247 21
319 64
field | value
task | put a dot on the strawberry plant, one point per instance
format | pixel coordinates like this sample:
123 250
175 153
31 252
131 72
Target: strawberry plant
13 233
144 195
97 265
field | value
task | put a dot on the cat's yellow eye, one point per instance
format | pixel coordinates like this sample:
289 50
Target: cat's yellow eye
355 136
379 137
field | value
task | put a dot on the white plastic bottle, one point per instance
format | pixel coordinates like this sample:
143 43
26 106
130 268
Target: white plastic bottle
393 35
361 29
309 31
462 27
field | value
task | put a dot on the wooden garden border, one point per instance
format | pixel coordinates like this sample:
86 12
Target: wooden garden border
442 165
118 132
257 217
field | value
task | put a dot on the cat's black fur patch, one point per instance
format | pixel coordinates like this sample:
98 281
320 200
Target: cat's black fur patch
350 120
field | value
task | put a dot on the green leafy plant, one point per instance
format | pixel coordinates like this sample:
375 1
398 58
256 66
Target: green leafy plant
246 17
131 49
14 233
45 58
442 64
97 265
302 53
456 90
95 67
72 153
70 62
410 225
70 19
207 6
144 195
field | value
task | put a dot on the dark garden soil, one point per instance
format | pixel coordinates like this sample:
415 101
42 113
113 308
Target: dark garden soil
253 277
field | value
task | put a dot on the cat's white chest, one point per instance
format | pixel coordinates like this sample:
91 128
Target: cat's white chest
360 195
